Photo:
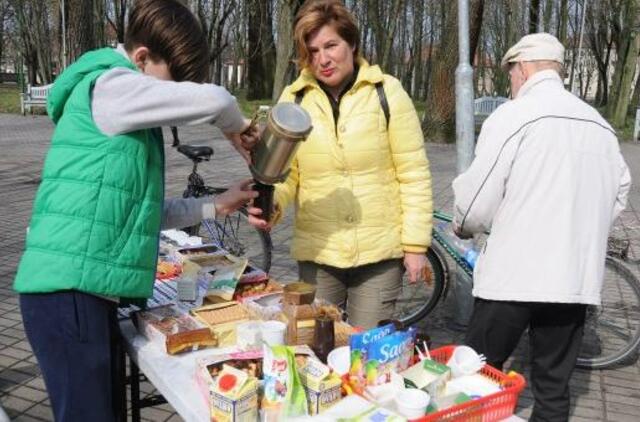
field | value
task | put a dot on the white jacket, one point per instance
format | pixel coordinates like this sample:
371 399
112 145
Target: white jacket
548 180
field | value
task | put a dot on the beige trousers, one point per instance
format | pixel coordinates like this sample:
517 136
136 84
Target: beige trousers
369 291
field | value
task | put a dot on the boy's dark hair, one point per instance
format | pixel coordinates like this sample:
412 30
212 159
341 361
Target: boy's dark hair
172 33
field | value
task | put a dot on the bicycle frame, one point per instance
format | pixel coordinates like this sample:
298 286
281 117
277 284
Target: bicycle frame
449 249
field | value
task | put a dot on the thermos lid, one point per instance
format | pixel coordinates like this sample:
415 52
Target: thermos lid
290 120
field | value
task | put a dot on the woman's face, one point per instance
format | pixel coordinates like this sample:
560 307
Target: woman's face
331 57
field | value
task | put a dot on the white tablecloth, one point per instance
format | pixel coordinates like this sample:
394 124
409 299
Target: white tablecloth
173 376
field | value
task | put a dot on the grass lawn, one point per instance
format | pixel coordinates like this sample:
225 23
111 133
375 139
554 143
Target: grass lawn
9 98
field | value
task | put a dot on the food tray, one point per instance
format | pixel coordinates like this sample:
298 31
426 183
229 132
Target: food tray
493 407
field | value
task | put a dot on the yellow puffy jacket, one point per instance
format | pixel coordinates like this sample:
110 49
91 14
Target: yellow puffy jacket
362 193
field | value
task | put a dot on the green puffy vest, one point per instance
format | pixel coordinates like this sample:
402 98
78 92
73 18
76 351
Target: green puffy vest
96 215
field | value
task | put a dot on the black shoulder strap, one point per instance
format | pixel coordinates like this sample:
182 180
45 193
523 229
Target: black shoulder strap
381 95
383 102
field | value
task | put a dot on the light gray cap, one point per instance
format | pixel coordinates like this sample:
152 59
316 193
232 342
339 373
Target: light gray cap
534 47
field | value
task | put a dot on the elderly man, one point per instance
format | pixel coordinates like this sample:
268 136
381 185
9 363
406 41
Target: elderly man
548 180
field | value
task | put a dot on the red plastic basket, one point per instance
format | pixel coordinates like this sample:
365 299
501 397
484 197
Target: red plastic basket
493 407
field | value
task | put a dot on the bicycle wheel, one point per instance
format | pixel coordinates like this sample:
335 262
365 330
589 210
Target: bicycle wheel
417 300
612 330
237 236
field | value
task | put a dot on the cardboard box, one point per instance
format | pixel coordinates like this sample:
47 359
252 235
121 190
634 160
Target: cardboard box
222 319
241 407
322 387
173 329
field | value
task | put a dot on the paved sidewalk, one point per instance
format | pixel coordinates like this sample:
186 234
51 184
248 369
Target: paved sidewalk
610 395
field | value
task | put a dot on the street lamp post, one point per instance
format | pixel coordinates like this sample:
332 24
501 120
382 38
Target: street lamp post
464 92
464 145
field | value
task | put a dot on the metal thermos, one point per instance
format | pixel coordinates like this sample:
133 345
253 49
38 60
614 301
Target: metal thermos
287 125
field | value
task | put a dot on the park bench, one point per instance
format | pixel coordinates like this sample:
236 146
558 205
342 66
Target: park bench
35 96
483 107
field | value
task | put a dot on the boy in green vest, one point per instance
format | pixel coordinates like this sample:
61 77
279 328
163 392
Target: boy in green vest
93 236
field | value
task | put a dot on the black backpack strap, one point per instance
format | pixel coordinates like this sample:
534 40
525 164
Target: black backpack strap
383 102
299 96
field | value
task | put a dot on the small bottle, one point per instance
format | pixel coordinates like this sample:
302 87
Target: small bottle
466 248
323 338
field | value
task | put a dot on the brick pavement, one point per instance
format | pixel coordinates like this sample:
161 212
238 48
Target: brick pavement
611 395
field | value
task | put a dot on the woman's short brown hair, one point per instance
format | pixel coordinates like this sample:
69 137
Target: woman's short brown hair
170 32
315 14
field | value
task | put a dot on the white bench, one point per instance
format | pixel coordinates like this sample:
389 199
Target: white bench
483 107
35 96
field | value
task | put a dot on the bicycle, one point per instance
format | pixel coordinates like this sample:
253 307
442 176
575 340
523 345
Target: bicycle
612 330
231 232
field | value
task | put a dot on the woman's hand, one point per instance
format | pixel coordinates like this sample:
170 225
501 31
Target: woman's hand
256 220
415 264
235 197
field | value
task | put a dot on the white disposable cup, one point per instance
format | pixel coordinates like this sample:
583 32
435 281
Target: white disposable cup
464 361
248 335
273 332
339 359
412 403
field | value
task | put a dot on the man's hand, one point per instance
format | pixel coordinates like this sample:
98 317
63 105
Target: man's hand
415 264
235 197
245 141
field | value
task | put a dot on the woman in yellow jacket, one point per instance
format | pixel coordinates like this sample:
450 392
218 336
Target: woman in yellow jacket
360 185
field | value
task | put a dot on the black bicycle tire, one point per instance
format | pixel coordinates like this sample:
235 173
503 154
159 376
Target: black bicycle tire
631 348
440 283
265 240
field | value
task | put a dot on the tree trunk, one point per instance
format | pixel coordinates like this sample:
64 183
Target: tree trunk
546 17
625 65
418 33
81 29
3 10
563 19
287 10
261 57
534 14
622 100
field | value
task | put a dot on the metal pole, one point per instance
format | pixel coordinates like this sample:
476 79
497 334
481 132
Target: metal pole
464 92
64 35
579 63
463 300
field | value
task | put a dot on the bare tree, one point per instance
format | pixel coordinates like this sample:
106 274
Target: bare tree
261 54
439 120
285 68
116 12
81 26
384 17
213 16
34 37
3 13
626 64
534 15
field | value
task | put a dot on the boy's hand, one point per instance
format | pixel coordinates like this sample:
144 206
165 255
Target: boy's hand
250 136
236 141
234 198
245 141
255 220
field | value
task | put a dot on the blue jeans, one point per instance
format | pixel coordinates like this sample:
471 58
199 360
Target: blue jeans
73 336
